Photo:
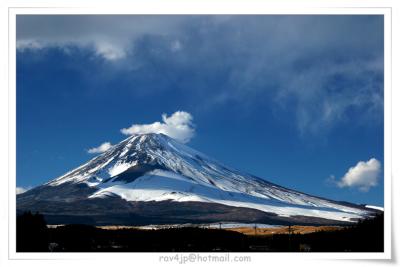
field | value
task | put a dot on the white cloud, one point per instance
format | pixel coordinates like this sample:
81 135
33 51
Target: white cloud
20 190
109 51
28 44
178 126
100 149
363 176
110 36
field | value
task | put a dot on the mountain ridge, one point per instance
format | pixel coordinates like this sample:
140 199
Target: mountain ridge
155 167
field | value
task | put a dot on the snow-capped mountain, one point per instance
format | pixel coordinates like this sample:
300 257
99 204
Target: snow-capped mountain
154 168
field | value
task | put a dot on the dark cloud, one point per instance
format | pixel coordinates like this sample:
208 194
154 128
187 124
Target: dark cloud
321 69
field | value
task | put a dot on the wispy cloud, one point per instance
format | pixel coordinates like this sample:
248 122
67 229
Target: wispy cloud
322 70
109 36
178 126
100 149
363 175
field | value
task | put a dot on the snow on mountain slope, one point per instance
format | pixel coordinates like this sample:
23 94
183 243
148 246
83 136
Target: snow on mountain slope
154 167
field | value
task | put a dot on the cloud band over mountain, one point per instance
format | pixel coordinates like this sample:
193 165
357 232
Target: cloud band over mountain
178 126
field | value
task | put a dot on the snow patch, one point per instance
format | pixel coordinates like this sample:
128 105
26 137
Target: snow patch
161 185
119 168
374 207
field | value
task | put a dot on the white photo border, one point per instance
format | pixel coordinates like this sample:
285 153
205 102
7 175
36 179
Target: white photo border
262 9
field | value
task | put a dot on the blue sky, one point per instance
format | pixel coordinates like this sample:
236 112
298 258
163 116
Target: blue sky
296 100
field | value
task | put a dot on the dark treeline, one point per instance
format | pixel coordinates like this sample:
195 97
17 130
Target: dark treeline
366 236
34 236
32 233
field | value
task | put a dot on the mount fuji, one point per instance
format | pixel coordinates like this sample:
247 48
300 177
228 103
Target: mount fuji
152 178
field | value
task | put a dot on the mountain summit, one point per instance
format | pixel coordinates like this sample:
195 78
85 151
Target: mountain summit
152 178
